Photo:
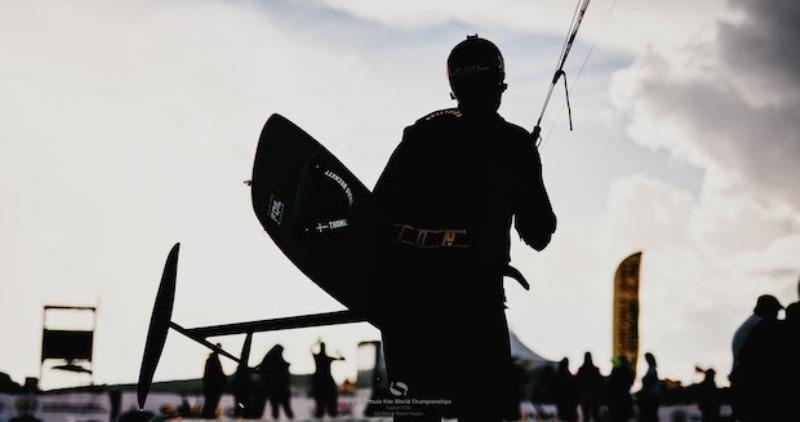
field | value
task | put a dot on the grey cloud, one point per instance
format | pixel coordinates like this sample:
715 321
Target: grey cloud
741 115
760 144
763 48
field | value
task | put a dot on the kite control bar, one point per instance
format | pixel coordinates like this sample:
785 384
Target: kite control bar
577 18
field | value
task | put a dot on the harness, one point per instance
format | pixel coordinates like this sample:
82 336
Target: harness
430 238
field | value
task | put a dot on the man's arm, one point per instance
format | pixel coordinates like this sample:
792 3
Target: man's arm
393 173
533 214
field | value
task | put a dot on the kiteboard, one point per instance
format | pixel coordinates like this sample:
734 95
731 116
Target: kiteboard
305 198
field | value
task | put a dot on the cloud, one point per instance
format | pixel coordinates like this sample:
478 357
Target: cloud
700 272
762 52
729 106
131 127
707 253
626 26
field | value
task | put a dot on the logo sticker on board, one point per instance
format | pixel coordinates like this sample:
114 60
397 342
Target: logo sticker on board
275 210
342 184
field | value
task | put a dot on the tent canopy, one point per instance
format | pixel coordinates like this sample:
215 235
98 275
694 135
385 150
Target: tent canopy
520 351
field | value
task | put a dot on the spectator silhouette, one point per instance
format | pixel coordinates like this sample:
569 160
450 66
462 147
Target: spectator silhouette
323 387
620 402
790 341
756 363
115 402
274 371
565 392
649 394
214 384
518 378
185 409
590 388
708 398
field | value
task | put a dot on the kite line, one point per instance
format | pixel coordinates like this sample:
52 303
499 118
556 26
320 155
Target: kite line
577 18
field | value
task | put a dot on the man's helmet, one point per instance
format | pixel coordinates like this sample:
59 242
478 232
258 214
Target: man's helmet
475 64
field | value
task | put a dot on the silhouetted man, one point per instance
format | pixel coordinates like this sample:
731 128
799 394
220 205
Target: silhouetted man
214 385
649 394
790 362
708 398
185 409
449 191
756 349
323 387
620 403
565 392
274 371
590 386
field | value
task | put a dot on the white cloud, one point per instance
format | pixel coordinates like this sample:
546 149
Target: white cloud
126 129
741 237
700 275
728 105
625 25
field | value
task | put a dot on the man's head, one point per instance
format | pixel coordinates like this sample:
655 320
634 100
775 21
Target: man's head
587 358
767 307
476 72
651 360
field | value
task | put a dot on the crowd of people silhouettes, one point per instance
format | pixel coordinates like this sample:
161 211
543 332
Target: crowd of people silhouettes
269 383
765 349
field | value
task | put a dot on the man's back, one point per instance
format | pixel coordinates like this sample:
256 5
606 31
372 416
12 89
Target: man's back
741 336
449 191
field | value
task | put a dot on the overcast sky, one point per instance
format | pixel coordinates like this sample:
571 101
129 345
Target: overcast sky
127 126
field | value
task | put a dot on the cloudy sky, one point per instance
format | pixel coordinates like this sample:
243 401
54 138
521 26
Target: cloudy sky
129 125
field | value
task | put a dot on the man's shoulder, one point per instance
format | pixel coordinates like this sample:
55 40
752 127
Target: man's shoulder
517 132
434 124
439 116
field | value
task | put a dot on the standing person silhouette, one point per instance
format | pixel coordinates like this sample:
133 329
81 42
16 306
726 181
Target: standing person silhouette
590 386
566 393
214 384
756 345
275 379
708 397
649 394
450 192
323 387
620 403
790 362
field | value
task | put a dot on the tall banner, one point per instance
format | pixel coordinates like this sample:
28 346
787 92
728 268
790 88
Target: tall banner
626 309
